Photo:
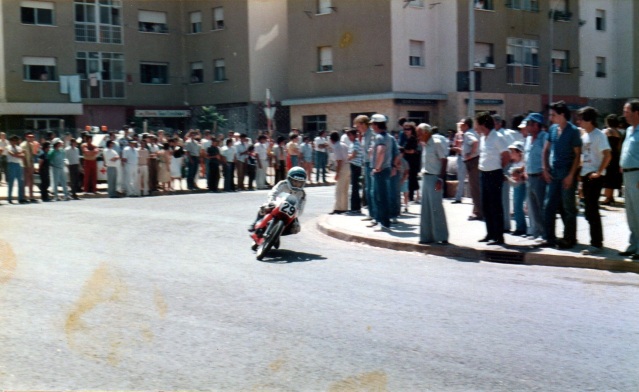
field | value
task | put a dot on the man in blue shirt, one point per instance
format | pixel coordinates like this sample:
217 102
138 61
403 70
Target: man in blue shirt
629 163
536 186
381 171
560 163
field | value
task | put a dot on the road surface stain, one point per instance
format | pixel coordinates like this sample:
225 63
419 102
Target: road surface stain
7 262
276 365
365 382
107 322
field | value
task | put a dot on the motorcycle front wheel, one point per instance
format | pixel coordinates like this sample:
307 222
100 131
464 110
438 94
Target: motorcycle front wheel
272 234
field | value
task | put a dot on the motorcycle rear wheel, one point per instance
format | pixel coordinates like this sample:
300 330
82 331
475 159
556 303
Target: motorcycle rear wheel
271 235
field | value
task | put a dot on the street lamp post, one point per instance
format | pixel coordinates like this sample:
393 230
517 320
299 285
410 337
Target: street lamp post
471 58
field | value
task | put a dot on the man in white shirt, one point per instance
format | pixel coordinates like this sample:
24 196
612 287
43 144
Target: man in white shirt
130 159
261 149
493 157
112 162
342 174
595 157
72 153
470 152
321 156
229 156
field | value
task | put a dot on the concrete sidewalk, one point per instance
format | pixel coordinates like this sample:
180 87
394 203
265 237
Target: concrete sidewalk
464 235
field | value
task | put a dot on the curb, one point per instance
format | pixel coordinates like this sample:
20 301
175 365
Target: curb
506 256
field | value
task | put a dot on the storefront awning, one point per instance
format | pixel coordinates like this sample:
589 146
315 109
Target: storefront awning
40 109
363 97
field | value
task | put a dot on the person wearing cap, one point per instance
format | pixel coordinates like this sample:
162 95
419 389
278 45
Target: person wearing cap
562 153
517 181
433 226
381 162
493 157
595 157
535 183
56 161
629 163
470 152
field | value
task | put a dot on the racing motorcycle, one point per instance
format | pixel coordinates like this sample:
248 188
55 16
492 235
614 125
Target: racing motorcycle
278 216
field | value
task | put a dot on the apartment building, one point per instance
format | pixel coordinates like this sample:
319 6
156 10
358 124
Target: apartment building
607 38
71 63
410 58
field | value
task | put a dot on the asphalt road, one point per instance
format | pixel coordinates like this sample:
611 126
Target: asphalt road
164 293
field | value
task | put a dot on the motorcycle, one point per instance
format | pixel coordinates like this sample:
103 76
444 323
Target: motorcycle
278 216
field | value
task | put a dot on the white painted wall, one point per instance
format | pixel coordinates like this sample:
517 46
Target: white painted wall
615 44
268 37
436 24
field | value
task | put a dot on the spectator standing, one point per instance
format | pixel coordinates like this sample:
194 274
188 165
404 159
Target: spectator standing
164 167
470 151
143 167
321 154
15 168
192 149
261 149
56 161
355 157
4 143
279 156
613 178
433 226
229 156
412 155
251 166
30 150
381 162
153 162
90 154
72 153
241 150
518 184
458 142
561 156
111 160
130 158
629 164
493 157
214 159
44 171
361 124
293 149
342 174
595 157
177 161
306 157
533 173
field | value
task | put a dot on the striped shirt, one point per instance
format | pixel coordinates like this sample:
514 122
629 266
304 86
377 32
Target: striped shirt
356 147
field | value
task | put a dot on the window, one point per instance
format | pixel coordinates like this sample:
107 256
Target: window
98 21
484 55
42 124
196 22
484 5
324 7
314 124
600 20
325 54
560 61
36 13
39 69
561 11
101 74
415 3
152 22
601 67
154 73
416 53
522 61
524 5
219 70
197 72
218 18
418 117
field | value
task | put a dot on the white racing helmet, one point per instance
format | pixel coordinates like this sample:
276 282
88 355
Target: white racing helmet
296 178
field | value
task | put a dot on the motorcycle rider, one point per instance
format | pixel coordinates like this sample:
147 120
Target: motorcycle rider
294 185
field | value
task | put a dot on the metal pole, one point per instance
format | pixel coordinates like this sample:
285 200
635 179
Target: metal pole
552 33
471 58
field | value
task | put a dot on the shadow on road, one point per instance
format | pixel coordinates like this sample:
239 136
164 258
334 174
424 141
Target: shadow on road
283 256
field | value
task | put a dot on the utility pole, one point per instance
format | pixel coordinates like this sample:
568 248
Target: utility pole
471 58
552 33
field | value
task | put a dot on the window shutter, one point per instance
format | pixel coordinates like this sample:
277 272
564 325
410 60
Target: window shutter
152 17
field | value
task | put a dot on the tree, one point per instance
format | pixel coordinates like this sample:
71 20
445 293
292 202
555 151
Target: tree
210 118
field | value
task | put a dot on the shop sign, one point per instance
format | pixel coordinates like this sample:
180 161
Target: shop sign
162 113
